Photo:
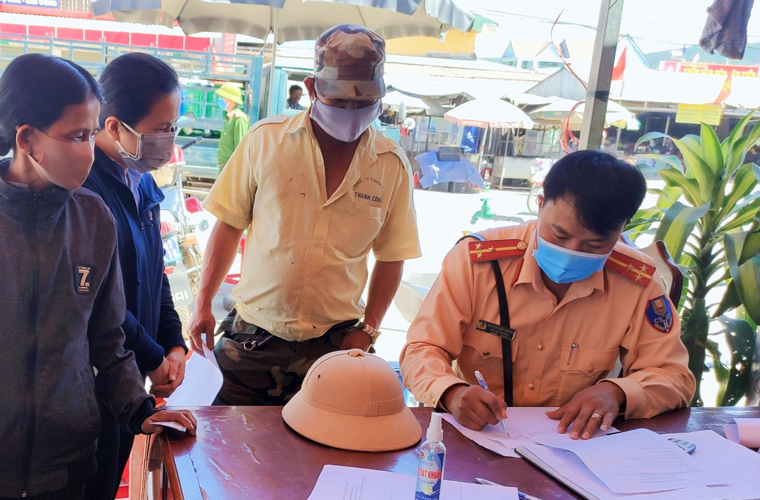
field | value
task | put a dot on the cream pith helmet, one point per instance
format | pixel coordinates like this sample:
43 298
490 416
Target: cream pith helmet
353 400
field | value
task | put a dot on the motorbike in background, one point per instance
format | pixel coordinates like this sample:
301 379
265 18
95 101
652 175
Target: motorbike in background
538 174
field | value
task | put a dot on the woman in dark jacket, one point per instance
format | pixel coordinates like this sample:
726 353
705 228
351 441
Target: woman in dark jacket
142 100
62 303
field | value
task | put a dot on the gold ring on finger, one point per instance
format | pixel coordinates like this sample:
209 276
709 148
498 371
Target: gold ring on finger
596 415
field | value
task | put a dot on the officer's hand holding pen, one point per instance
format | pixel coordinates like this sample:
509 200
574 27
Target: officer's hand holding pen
473 406
483 384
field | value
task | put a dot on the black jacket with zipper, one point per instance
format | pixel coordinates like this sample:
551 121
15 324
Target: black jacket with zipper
61 309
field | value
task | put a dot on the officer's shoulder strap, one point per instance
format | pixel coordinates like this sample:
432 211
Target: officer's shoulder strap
270 119
634 269
484 250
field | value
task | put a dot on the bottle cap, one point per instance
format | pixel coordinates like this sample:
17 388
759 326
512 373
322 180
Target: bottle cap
435 431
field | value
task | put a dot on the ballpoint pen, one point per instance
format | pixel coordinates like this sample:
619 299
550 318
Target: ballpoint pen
523 496
483 384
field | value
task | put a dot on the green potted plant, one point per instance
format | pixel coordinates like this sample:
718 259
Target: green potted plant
707 215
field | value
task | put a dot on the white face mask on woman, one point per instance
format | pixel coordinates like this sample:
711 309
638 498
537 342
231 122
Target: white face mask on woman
345 125
153 151
65 164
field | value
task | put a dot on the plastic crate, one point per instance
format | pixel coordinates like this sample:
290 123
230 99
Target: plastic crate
193 95
194 108
460 187
443 187
452 187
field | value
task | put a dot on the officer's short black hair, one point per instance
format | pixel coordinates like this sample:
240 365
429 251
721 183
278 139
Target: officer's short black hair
294 88
605 191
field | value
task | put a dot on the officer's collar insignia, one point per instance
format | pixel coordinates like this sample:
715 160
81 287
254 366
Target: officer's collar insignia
485 251
629 267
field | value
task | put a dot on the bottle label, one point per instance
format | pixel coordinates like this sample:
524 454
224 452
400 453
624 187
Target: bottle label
429 476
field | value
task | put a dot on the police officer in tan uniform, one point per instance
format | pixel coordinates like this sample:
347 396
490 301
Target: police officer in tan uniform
544 310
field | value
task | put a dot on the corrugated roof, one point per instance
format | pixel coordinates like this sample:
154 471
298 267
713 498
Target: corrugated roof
432 86
303 59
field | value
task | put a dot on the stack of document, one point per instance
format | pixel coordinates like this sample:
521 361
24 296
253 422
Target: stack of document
643 465
525 425
745 431
350 483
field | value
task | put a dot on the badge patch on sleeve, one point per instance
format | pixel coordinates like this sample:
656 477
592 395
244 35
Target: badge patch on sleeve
660 314
82 277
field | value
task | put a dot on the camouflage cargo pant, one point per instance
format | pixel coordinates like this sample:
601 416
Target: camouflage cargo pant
260 369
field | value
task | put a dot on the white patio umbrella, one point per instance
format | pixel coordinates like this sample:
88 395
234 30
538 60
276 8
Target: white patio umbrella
488 114
555 113
293 19
410 103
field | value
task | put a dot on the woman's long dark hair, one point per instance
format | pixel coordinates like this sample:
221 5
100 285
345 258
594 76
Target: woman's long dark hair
35 89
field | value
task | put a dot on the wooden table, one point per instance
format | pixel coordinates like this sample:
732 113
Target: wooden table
250 453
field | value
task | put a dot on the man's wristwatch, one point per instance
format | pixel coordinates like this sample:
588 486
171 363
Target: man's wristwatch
373 334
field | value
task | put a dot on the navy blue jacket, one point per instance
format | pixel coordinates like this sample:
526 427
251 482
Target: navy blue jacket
151 324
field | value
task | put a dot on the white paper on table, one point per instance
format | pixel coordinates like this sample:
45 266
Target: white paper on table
351 483
638 461
172 425
524 423
745 431
739 465
203 379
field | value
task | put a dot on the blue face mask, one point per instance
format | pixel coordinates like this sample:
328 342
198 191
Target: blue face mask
566 266
222 103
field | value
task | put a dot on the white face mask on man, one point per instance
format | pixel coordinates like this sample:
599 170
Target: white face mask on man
345 125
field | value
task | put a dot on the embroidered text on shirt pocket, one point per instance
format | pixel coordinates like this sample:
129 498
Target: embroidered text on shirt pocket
357 227
580 368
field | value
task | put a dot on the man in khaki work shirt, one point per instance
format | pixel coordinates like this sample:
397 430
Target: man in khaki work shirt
317 192
577 298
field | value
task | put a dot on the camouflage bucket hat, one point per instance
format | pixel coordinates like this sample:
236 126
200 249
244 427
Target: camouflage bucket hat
348 63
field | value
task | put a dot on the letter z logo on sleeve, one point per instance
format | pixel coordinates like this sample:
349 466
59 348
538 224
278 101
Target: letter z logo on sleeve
82 279
660 314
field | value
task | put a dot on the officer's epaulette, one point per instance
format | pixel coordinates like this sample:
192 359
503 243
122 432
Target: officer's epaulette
485 251
630 267
270 119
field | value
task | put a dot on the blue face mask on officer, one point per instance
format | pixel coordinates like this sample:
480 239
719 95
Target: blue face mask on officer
566 266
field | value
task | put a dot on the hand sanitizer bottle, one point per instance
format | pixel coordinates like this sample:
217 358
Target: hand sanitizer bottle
432 457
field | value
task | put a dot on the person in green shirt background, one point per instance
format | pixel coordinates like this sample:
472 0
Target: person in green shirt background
236 123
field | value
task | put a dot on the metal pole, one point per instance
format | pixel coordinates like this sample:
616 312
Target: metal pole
270 94
602 63
482 149
427 135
